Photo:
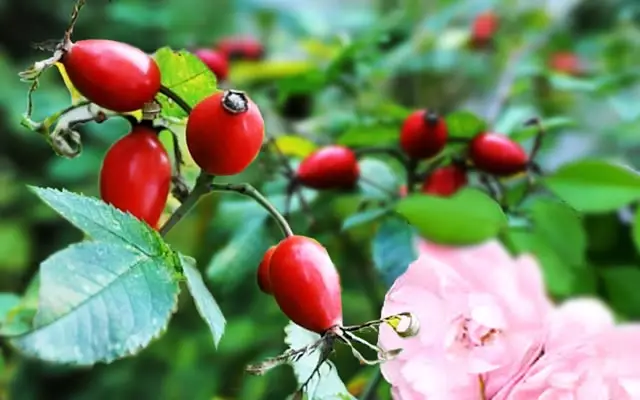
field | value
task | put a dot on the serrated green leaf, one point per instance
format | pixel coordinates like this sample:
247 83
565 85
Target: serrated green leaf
394 248
364 217
187 76
468 217
240 258
594 186
326 385
102 221
7 302
15 246
464 124
99 302
205 303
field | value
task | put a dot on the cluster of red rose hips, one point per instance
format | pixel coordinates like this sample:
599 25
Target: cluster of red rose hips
224 135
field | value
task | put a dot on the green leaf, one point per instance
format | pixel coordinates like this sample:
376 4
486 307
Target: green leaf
621 285
187 76
562 227
464 124
559 277
102 221
468 217
8 301
364 217
15 246
99 302
326 385
635 230
205 303
370 135
551 125
239 259
377 179
394 248
594 186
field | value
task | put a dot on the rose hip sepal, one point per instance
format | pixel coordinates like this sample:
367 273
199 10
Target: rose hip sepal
331 167
306 286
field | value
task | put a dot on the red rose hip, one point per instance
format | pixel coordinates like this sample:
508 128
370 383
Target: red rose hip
423 135
566 62
306 284
241 48
497 154
445 181
331 167
136 175
225 133
264 283
484 28
113 75
216 61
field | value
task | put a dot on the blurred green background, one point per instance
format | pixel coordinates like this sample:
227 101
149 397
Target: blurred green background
412 54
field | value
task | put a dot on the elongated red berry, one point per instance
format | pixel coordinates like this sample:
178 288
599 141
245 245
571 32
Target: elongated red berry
484 28
424 134
566 62
306 284
136 175
225 133
241 48
497 154
264 282
331 167
445 181
113 75
216 61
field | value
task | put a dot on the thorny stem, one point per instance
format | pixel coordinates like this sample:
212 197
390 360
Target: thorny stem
246 189
176 98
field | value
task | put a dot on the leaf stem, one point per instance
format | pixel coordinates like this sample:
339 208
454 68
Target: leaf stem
176 98
200 189
246 189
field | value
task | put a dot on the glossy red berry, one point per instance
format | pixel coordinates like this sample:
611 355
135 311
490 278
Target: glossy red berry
113 75
424 134
225 133
445 181
216 61
566 62
264 282
136 175
306 284
484 28
241 48
497 154
331 167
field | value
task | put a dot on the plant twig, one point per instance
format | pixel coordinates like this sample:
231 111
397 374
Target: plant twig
246 189
72 21
176 98
200 189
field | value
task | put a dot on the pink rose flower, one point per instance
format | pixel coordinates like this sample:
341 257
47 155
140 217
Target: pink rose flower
482 315
585 357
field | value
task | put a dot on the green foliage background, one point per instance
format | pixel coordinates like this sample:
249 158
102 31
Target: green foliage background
595 116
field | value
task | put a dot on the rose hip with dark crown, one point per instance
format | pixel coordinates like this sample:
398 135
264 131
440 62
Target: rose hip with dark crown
225 132
136 175
113 75
306 284
423 135
497 154
445 181
330 167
